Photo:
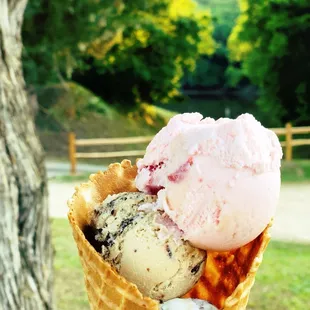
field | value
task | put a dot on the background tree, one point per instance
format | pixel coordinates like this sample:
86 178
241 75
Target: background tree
26 252
144 46
57 33
271 38
210 69
159 44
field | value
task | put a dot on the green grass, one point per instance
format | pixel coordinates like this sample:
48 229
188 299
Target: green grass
283 280
69 283
296 171
92 118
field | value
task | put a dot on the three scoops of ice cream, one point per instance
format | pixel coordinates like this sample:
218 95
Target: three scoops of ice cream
203 184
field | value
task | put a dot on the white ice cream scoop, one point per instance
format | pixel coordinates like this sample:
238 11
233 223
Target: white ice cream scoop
218 180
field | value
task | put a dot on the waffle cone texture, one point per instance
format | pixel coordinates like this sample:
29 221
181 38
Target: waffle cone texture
226 281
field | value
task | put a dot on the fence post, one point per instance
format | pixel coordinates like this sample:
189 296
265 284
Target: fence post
289 138
72 151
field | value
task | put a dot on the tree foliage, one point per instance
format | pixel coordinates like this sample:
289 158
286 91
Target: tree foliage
128 52
58 33
210 69
272 40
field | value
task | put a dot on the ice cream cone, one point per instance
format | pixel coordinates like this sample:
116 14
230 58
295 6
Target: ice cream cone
227 279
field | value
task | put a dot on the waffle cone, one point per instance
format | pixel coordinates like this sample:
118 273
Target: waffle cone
229 276
227 279
106 289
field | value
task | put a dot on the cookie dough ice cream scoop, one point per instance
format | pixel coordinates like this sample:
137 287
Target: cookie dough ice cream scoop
141 249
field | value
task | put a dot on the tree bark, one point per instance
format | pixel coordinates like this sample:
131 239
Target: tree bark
25 240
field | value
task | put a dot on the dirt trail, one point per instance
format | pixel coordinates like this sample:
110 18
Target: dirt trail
292 221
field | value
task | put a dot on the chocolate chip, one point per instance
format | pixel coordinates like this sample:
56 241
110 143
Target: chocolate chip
141 201
119 197
112 203
126 223
196 268
108 241
148 269
135 250
168 250
96 212
101 230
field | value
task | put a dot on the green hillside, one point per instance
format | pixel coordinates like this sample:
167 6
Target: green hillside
70 107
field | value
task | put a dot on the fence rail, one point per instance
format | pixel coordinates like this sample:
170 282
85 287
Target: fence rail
288 144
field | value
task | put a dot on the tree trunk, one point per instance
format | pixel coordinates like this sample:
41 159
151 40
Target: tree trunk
25 240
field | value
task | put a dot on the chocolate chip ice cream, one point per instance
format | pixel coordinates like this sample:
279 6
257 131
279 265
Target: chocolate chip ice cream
138 245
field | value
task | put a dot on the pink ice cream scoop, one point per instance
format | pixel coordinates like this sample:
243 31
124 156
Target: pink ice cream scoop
218 181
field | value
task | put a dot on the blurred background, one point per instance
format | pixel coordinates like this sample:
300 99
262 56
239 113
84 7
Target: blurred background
122 68
118 68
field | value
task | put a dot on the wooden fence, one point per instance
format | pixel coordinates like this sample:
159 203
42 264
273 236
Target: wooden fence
74 155
288 131
289 142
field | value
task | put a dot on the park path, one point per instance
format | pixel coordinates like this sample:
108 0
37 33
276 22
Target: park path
292 221
59 168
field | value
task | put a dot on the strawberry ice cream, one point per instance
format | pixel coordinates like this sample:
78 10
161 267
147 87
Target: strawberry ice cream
218 181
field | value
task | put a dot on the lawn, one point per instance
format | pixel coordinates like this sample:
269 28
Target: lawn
69 284
296 171
283 281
